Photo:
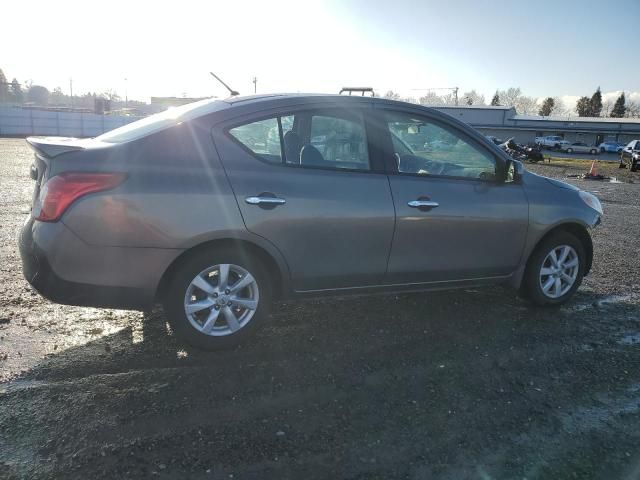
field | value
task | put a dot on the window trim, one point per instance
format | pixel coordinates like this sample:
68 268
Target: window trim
392 166
361 112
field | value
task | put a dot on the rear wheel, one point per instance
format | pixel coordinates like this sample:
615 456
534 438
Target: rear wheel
555 270
217 298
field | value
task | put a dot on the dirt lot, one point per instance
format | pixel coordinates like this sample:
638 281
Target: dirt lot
468 384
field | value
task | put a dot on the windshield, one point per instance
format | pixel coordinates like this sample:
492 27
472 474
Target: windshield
160 121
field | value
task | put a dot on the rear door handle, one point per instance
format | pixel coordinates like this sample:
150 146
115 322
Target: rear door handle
423 204
265 201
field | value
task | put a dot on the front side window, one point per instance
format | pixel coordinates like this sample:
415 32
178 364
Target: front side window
423 147
324 139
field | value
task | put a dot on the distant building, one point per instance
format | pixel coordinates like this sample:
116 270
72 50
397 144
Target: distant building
504 122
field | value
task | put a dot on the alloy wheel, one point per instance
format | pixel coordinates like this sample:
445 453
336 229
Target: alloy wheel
221 300
559 271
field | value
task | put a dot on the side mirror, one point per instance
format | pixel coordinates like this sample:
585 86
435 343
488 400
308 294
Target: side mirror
513 171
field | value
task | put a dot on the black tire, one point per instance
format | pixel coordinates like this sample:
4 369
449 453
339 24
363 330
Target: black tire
531 288
188 270
633 166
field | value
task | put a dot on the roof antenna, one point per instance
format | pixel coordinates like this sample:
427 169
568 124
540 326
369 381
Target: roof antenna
232 92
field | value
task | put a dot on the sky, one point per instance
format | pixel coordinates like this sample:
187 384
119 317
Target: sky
166 48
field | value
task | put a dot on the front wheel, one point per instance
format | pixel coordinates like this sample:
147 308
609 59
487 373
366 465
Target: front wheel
555 270
217 298
569 150
593 151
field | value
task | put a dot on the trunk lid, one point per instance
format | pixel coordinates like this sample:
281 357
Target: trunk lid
47 148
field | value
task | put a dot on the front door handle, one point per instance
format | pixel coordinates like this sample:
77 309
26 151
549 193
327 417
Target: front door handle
265 201
423 204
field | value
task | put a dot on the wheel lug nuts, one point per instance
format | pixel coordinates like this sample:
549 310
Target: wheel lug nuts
227 291
215 295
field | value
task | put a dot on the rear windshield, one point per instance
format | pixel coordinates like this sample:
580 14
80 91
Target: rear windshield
160 121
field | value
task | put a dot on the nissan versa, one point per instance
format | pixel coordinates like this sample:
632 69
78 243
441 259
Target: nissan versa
216 208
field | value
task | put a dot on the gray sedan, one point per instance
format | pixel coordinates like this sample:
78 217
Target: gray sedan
579 147
217 208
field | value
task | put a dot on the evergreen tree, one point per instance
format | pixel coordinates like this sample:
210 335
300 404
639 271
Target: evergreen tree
596 103
495 101
547 107
619 108
583 107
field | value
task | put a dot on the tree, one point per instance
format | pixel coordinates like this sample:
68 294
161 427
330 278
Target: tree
495 101
583 107
57 96
559 108
526 105
510 96
473 98
391 95
547 107
632 109
38 95
16 91
431 98
596 103
619 108
4 88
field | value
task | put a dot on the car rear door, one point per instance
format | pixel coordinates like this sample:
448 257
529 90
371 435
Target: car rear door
455 220
309 180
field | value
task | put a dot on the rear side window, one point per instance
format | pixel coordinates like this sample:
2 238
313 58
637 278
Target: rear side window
341 142
262 138
316 139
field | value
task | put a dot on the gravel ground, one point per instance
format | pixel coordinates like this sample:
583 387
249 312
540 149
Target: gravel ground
465 384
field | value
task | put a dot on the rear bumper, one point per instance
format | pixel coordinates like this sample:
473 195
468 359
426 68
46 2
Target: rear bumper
64 269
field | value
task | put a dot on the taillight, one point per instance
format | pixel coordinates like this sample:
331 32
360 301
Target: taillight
62 190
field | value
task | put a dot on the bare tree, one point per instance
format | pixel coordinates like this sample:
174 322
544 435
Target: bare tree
391 95
473 98
510 96
431 98
632 110
559 108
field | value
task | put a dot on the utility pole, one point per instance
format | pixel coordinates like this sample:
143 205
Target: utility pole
126 93
255 84
71 91
455 94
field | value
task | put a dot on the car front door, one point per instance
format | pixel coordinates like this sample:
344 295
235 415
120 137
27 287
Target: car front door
309 182
455 219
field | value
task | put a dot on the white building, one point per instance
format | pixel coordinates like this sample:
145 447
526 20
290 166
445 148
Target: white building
504 122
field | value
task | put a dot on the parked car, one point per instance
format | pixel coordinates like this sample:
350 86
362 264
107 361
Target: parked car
551 141
579 147
611 147
630 155
189 209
